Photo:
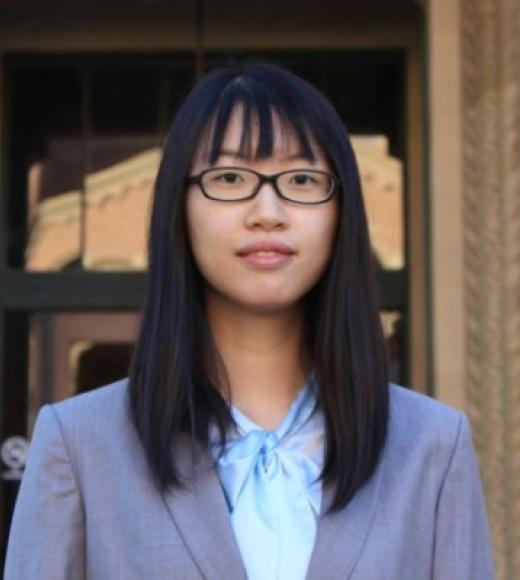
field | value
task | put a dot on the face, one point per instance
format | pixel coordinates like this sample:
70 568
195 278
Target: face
219 231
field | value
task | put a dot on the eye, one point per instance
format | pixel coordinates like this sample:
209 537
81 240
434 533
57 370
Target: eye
228 178
303 179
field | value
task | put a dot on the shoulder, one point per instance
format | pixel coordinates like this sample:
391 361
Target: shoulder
97 415
94 432
101 401
411 407
421 427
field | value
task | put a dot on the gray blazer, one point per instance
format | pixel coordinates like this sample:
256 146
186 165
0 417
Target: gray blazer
87 506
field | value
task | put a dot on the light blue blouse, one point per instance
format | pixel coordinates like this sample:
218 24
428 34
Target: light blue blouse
269 480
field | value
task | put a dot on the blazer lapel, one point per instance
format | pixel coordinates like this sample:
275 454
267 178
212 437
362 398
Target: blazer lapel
341 536
201 516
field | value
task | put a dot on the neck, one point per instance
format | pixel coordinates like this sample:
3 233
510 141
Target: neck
264 355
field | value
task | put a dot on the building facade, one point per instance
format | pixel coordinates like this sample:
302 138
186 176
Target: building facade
430 92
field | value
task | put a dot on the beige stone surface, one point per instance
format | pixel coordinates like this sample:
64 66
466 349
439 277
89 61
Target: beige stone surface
490 43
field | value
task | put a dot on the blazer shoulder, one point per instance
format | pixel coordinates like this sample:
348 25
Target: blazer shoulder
100 399
101 411
418 421
407 402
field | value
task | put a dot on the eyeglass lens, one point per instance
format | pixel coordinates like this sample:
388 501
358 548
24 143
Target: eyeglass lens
301 185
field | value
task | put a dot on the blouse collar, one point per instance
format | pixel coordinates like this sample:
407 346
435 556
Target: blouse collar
297 442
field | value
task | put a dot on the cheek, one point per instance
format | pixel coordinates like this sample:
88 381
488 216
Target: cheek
321 232
207 235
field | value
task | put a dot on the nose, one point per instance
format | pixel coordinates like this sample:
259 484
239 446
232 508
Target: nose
267 209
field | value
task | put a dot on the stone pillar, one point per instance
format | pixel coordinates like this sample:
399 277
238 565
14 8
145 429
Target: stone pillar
490 99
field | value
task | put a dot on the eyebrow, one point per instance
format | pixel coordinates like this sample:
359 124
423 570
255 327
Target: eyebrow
239 155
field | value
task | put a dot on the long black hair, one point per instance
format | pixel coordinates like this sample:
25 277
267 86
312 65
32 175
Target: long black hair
176 366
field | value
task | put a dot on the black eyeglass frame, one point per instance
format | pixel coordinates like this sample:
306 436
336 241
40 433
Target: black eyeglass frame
263 178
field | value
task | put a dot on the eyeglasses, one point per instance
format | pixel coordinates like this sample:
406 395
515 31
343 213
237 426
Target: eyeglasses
306 186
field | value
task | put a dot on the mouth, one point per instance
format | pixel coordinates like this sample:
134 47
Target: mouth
266 259
266 247
266 254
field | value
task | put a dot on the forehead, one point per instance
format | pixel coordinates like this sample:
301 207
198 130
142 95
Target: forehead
282 136
251 137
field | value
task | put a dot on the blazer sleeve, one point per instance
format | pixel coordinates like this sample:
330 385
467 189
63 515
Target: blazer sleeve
462 546
47 538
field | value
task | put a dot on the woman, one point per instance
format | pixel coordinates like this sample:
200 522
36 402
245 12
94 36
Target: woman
257 435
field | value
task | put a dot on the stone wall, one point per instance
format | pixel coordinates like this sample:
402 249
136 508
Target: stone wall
490 45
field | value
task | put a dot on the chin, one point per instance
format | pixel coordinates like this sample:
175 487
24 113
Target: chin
257 297
267 308
267 304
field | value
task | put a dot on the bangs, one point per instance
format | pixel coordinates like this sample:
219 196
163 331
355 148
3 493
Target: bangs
260 106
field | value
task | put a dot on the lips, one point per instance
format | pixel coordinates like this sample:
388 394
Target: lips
266 246
266 254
